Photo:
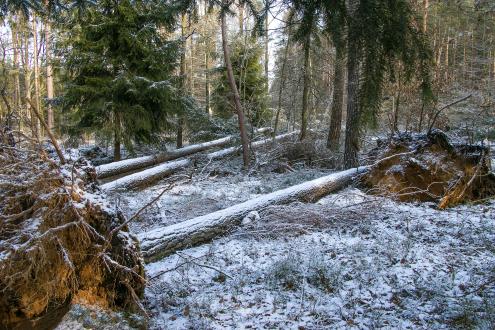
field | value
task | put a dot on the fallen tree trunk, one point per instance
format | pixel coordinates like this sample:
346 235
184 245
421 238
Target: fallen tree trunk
158 172
128 165
164 241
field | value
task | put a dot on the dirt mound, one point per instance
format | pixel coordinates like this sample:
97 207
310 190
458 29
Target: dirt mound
428 167
57 244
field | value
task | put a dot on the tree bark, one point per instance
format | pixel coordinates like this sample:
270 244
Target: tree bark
52 138
235 94
164 241
156 173
117 137
306 87
49 69
333 140
14 24
207 70
351 148
267 54
183 77
27 81
37 98
426 5
396 107
281 87
241 17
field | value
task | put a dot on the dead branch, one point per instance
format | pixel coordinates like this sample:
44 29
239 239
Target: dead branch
48 131
446 107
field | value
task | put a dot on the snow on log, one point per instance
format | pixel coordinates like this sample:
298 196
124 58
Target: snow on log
147 176
158 172
164 241
128 165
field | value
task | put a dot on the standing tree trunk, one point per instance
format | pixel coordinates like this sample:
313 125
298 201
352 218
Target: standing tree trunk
241 17
396 105
338 99
49 69
37 98
305 97
235 93
27 80
281 87
117 137
207 68
17 84
207 80
182 73
351 148
267 55
426 4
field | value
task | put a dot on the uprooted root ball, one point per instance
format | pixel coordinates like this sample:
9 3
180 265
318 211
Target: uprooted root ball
428 167
55 245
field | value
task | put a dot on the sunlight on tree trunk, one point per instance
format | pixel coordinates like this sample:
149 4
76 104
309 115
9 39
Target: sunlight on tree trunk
235 93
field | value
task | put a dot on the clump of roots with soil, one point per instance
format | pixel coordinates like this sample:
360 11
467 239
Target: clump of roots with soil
60 242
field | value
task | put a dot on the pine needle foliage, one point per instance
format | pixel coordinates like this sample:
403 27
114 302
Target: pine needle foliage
249 75
41 7
120 65
387 32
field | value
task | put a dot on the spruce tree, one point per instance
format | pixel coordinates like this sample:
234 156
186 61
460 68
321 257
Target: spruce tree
119 71
249 76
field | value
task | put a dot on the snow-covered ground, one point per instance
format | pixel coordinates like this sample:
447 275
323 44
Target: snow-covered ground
221 184
349 261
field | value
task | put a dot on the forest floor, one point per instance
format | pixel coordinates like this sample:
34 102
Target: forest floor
351 260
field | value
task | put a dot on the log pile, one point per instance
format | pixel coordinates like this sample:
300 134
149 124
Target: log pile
429 167
58 244
158 172
129 165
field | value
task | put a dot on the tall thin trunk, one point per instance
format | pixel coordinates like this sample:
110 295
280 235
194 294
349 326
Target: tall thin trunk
338 100
352 144
421 117
190 73
117 137
464 59
281 87
305 96
267 55
49 69
27 80
182 73
235 94
447 47
426 5
395 127
207 71
241 17
37 99
17 84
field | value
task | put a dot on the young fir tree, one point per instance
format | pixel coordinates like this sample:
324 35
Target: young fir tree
120 72
250 79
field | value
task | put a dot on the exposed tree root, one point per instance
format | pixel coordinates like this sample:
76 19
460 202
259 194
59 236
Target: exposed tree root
55 245
428 167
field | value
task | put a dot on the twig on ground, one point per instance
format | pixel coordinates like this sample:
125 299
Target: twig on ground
188 258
